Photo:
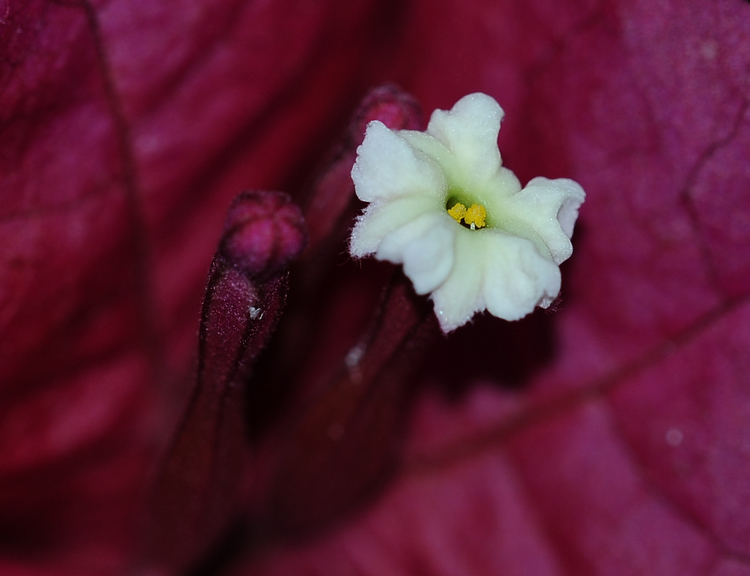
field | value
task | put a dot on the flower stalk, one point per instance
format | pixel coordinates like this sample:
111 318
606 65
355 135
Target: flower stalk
200 482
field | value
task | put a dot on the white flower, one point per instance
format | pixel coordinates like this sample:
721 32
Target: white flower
441 204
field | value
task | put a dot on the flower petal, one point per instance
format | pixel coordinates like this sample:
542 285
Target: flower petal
470 131
382 218
388 167
460 296
517 277
426 249
549 208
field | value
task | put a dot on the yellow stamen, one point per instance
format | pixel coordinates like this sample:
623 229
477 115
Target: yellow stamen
457 212
476 216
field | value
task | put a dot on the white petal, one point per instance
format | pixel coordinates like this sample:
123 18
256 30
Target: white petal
517 278
460 296
545 211
470 131
388 167
572 197
426 249
384 217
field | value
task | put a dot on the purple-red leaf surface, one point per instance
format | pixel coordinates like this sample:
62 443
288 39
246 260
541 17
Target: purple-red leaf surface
609 437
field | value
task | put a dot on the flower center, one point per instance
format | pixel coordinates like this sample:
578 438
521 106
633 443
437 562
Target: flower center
474 217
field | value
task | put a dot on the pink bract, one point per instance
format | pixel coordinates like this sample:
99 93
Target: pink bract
609 437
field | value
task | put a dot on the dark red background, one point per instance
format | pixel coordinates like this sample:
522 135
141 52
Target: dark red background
611 437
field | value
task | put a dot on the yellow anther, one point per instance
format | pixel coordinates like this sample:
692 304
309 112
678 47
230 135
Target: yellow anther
476 216
457 212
